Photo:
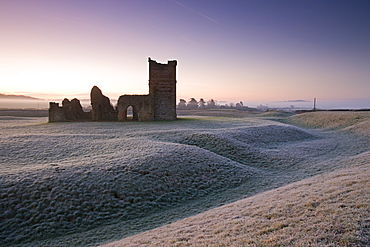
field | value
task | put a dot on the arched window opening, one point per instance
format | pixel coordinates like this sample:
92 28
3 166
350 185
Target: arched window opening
129 113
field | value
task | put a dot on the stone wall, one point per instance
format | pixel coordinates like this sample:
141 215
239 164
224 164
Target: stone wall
56 113
162 89
159 104
141 106
69 111
102 110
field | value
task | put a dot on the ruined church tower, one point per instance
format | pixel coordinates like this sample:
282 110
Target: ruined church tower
162 89
159 104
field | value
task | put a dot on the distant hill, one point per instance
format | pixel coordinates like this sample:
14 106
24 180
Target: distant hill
17 97
8 101
11 101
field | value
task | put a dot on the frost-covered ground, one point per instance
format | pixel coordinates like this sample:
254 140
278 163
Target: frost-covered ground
330 209
87 183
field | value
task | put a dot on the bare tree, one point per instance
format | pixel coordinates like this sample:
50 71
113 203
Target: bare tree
211 104
182 104
192 104
202 103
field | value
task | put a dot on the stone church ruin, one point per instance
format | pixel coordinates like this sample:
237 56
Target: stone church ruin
159 104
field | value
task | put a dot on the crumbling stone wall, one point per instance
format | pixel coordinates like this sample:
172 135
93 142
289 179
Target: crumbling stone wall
102 110
141 107
73 110
159 104
69 111
56 113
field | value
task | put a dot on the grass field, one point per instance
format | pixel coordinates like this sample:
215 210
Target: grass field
223 178
326 210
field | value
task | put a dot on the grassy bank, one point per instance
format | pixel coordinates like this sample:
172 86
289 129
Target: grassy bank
326 210
88 183
331 209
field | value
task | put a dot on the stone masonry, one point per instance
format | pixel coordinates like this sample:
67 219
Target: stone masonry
102 110
70 111
159 104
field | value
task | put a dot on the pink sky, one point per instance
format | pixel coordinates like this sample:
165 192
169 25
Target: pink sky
226 50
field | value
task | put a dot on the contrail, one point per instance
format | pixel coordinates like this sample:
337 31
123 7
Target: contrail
188 40
197 12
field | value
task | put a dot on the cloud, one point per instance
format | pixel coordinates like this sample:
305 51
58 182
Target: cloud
298 100
197 12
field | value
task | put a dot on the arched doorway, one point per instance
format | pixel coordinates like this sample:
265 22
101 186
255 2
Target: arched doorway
131 114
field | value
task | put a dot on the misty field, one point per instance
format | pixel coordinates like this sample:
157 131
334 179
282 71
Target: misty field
90 183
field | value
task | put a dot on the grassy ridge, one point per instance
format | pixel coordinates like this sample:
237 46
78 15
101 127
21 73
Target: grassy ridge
89 183
356 122
331 209
326 210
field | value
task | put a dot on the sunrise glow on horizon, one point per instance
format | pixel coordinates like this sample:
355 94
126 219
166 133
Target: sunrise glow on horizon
226 50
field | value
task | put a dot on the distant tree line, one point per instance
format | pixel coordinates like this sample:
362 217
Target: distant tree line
210 104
